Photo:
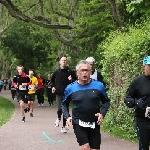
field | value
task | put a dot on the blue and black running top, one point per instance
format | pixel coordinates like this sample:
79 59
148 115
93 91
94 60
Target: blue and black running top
86 100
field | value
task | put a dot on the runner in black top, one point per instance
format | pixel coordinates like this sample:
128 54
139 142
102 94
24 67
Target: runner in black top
87 115
21 82
138 97
49 90
60 79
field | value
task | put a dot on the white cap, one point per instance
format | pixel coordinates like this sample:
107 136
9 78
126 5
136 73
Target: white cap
90 59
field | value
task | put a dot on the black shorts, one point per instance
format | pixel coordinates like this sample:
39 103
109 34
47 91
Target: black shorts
23 97
31 97
88 135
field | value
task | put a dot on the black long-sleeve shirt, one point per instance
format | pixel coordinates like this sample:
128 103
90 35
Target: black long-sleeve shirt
59 79
86 101
139 88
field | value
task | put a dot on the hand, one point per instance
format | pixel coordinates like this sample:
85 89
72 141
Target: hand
100 118
70 78
15 86
24 84
140 103
68 123
53 90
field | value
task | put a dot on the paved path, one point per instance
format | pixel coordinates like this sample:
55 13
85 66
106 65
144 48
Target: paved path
39 133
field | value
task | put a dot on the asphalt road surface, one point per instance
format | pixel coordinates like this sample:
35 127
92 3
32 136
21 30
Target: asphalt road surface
39 133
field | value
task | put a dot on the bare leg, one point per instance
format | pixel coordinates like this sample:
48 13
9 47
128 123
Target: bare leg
22 107
85 147
31 106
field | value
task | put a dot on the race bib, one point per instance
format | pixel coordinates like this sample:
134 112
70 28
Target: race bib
31 87
22 88
87 124
147 113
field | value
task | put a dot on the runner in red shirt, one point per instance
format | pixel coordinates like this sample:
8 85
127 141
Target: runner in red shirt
40 90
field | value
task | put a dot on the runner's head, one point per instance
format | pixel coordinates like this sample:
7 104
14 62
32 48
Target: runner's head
20 69
39 75
63 62
83 69
48 76
91 61
31 72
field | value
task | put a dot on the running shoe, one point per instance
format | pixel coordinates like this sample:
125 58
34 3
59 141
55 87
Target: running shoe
23 119
31 115
28 109
63 130
42 105
25 110
57 122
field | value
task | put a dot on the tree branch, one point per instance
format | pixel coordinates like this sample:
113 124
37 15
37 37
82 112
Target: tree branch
67 42
16 13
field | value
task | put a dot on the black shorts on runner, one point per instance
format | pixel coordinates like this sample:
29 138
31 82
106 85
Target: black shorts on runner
88 135
31 97
23 97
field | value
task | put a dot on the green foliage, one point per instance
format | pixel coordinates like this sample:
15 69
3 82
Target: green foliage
34 47
6 110
140 7
93 25
123 52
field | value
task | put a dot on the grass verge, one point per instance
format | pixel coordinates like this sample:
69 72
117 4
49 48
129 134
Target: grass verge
117 132
6 110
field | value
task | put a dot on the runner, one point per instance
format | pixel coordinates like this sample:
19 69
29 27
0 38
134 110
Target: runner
87 116
60 79
138 97
40 90
32 91
1 85
21 82
49 90
13 92
95 73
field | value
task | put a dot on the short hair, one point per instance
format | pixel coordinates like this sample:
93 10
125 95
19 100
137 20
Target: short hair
31 70
20 66
59 58
82 62
90 59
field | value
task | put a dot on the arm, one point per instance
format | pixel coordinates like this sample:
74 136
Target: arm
43 81
53 79
64 103
74 77
130 96
36 83
28 81
105 106
129 100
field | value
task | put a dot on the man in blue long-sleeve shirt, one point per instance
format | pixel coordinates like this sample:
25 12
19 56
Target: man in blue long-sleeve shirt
86 95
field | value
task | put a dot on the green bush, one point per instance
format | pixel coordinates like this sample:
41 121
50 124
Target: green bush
123 52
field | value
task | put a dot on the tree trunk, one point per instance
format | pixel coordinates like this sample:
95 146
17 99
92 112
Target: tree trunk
112 6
